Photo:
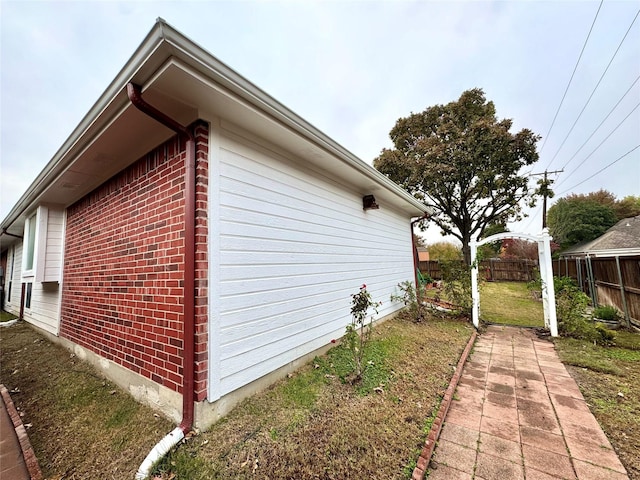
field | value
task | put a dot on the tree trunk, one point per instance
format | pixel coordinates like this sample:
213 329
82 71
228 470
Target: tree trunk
466 249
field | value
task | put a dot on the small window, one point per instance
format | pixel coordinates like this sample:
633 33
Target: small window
31 242
27 301
13 261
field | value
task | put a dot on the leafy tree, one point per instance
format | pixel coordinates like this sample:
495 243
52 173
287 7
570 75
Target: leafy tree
444 251
419 241
628 207
463 162
517 248
492 250
575 219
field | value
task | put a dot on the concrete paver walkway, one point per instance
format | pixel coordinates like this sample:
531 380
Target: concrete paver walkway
12 464
518 414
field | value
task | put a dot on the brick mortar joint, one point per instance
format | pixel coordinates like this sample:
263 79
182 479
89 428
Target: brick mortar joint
436 426
30 460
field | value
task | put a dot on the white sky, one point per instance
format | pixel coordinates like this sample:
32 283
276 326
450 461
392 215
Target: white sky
349 68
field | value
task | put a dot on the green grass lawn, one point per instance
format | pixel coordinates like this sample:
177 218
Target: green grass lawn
6 316
510 303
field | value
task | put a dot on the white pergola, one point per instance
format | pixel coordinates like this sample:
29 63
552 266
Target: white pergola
546 273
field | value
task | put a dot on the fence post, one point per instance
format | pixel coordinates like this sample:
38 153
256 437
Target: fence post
627 318
592 282
579 274
475 294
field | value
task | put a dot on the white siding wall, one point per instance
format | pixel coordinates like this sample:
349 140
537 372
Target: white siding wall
45 306
13 306
293 246
45 297
54 244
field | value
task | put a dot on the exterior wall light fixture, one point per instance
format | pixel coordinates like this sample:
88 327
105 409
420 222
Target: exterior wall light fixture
369 203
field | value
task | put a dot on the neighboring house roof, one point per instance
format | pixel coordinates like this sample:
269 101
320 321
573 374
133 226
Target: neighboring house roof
184 80
423 254
621 239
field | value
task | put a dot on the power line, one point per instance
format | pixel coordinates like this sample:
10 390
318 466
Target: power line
602 169
601 123
546 192
600 144
596 87
572 74
533 217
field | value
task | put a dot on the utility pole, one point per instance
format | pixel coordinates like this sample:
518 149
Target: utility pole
545 191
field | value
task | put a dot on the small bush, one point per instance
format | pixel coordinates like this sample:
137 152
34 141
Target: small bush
535 285
410 299
456 284
571 308
358 331
606 312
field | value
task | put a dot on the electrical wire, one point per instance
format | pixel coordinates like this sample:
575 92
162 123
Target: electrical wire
546 137
602 169
596 87
533 217
601 123
600 144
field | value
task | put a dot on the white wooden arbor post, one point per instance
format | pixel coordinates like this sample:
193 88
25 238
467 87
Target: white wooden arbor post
546 273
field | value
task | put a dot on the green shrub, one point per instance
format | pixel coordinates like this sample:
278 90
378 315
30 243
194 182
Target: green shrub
409 298
358 332
606 312
456 283
571 311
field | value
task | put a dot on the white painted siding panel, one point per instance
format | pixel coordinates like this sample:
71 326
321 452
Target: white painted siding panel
45 306
45 297
54 246
15 257
293 246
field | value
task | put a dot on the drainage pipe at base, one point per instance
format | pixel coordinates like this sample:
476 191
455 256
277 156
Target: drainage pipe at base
159 451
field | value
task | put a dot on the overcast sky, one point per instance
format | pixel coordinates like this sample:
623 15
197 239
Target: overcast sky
349 68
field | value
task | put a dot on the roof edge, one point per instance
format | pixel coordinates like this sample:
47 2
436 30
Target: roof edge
186 49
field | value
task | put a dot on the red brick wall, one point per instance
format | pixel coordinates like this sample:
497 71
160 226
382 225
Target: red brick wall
122 293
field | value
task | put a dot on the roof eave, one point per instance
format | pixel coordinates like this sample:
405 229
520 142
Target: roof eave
139 69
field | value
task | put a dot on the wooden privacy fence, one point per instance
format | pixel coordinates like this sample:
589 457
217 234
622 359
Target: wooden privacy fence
608 281
495 269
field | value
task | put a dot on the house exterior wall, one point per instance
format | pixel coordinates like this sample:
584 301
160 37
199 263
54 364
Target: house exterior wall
13 278
294 244
122 294
52 255
45 306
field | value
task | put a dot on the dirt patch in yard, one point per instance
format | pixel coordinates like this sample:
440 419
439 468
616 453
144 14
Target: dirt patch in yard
80 425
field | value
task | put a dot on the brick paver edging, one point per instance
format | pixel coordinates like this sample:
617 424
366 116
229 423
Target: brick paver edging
436 426
29 455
